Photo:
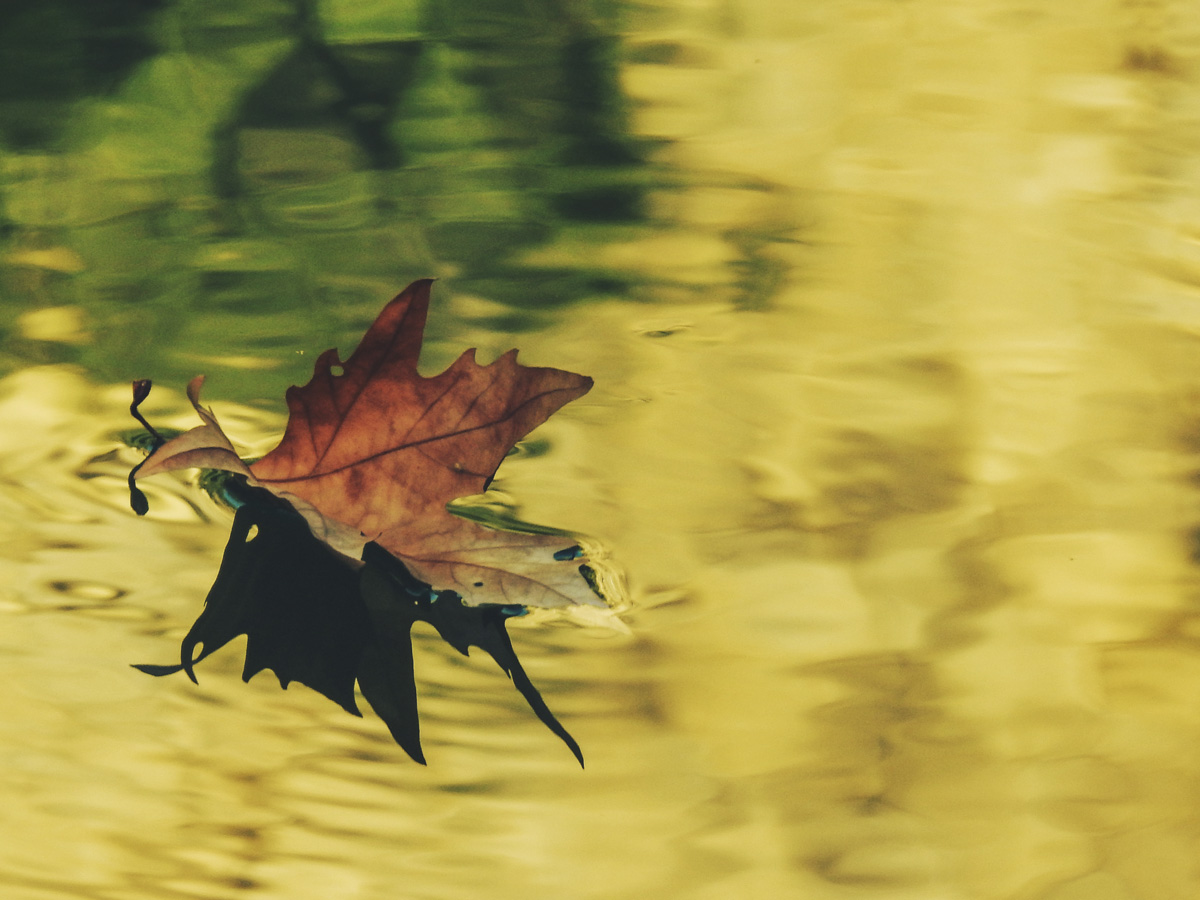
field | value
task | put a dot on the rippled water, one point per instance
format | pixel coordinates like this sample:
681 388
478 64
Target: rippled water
893 314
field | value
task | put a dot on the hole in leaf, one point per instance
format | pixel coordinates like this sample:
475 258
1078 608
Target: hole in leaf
479 584
336 370
252 533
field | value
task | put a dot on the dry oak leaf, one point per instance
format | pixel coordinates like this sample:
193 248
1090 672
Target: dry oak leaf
379 450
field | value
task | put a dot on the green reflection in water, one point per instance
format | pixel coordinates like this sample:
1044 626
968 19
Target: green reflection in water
271 175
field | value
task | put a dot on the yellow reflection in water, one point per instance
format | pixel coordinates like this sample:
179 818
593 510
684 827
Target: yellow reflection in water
905 505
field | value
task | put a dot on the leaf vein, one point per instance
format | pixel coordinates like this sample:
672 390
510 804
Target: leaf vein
409 445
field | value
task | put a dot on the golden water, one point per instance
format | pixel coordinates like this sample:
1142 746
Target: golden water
896 442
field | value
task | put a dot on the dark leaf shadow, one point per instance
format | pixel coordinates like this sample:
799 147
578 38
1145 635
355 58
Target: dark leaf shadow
310 616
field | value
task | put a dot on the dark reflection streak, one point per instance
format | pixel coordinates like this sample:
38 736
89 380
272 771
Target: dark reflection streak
54 54
351 87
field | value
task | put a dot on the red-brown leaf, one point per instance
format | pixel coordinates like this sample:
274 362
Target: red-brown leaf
383 449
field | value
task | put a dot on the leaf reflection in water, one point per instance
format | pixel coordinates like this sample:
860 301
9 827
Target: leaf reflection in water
312 618
342 538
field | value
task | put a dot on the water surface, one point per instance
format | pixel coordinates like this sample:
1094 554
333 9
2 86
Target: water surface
892 312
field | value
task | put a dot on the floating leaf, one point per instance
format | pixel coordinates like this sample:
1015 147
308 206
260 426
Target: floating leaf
342 536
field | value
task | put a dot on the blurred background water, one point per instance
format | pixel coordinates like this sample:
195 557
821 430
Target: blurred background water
893 311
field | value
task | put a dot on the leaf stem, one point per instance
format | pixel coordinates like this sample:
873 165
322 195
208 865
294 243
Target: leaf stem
141 390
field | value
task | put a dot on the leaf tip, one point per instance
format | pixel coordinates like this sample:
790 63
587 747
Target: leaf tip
156 670
187 662
193 391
